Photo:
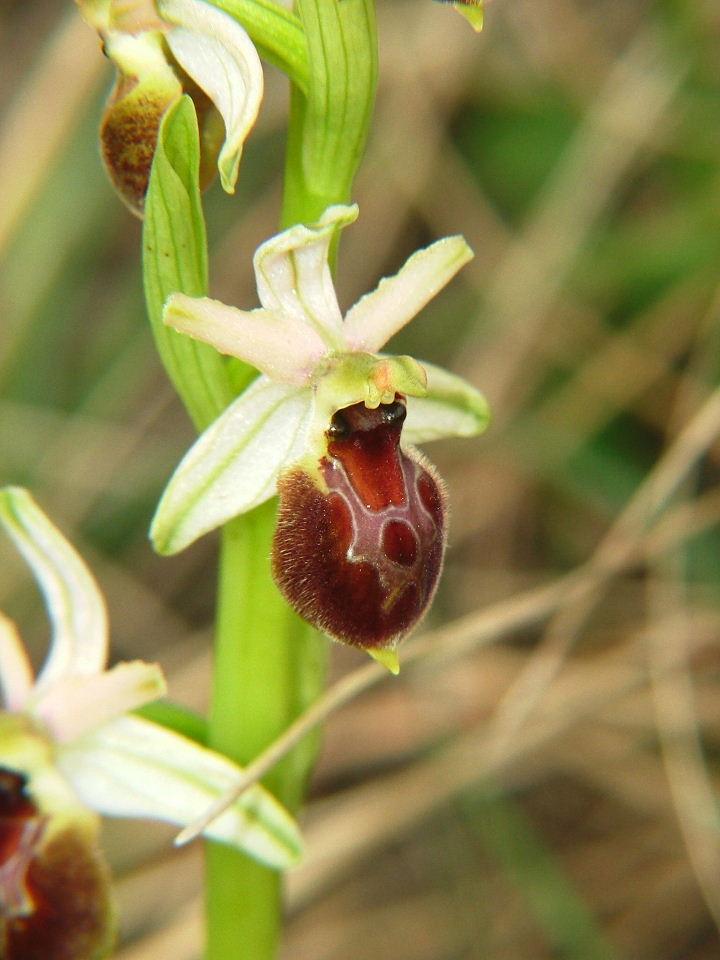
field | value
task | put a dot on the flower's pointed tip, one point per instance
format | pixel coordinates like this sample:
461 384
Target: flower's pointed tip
473 11
388 658
339 215
187 835
229 167
162 539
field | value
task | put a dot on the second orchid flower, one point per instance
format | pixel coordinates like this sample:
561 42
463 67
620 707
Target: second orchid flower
71 748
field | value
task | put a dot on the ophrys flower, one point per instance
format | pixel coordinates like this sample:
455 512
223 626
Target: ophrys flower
361 528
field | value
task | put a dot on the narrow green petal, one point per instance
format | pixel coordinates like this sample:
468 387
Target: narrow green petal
74 602
452 408
396 300
134 768
234 464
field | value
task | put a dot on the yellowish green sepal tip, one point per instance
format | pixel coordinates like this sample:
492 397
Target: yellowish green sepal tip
474 14
388 658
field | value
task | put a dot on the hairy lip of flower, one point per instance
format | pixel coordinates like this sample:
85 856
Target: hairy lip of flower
362 560
55 894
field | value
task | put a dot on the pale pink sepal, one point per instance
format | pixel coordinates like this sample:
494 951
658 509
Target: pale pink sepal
379 315
272 342
16 675
77 704
234 465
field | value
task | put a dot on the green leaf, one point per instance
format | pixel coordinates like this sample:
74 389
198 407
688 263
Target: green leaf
175 259
329 126
276 32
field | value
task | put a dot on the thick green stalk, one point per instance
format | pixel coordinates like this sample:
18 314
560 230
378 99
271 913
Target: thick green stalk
329 126
267 668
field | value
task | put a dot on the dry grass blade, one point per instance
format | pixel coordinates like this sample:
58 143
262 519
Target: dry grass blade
65 76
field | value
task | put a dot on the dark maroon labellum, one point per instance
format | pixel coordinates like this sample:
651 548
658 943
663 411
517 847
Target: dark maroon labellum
20 830
54 892
362 561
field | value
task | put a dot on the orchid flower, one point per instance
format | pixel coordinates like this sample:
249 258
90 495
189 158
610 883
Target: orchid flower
361 527
69 750
162 49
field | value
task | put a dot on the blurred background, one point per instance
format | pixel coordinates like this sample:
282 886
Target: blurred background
541 782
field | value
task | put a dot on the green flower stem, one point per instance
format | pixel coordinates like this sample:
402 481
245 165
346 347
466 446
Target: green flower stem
266 666
243 907
258 690
269 666
329 126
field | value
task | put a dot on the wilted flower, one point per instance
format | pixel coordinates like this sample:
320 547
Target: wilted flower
68 751
162 49
361 525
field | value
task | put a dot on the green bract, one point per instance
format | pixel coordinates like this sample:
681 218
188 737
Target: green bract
313 363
